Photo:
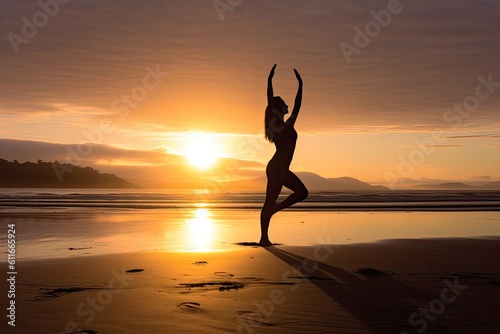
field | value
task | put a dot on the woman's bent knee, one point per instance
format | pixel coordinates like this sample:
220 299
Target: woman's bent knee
304 193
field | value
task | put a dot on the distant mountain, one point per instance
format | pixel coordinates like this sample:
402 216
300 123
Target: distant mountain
318 183
491 186
313 182
460 186
448 185
55 175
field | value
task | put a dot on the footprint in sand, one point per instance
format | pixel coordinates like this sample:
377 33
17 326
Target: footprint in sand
55 293
200 263
221 286
222 274
190 307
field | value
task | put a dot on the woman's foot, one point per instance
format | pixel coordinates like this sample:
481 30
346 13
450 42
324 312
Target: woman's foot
265 242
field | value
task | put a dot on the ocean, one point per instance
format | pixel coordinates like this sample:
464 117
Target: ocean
55 223
165 199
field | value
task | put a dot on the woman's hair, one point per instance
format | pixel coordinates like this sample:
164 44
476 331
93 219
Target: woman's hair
271 116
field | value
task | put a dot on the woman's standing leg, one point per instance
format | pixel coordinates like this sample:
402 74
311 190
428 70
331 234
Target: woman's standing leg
272 192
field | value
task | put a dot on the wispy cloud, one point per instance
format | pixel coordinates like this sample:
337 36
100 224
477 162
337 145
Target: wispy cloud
62 84
93 52
480 136
129 162
23 150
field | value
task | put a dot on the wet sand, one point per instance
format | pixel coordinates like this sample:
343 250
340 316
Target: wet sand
396 286
70 232
187 271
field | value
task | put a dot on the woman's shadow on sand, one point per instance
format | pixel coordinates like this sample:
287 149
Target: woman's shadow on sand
382 303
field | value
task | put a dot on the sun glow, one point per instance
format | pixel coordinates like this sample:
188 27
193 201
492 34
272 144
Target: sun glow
200 231
201 150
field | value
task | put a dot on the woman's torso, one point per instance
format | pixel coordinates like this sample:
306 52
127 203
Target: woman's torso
285 142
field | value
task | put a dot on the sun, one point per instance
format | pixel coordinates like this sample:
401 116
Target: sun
201 150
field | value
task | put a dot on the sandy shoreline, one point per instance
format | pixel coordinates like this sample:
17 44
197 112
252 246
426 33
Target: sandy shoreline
284 289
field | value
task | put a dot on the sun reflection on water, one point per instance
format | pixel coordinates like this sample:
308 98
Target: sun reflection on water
200 231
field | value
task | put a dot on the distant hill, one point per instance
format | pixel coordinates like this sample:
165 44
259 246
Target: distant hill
55 175
460 186
491 185
448 185
318 183
314 182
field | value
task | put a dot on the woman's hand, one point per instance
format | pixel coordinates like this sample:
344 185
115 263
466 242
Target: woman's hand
270 94
299 79
271 74
298 101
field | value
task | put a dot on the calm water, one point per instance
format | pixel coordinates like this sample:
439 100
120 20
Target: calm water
119 198
79 222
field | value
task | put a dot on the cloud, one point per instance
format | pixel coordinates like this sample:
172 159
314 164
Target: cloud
82 153
448 146
153 164
91 53
481 136
482 178
434 146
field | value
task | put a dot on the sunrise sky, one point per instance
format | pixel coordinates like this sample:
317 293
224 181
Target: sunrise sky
148 82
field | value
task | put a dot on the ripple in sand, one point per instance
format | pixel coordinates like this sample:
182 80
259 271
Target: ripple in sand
254 317
490 278
374 272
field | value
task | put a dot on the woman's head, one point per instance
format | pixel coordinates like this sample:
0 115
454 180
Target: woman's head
280 105
273 121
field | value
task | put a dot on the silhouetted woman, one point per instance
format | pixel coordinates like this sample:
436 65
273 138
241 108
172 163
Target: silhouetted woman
284 136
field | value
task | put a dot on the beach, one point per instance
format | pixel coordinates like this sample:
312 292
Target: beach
246 167
198 270
320 289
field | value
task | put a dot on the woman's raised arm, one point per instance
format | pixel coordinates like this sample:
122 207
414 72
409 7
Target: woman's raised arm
298 99
270 93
